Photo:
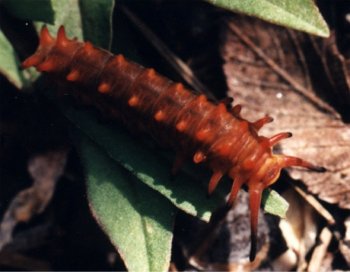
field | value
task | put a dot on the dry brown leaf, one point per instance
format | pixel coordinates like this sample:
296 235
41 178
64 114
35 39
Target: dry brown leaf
287 261
320 252
268 73
299 229
344 245
45 170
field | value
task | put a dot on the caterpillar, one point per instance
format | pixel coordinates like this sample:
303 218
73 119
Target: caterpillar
209 132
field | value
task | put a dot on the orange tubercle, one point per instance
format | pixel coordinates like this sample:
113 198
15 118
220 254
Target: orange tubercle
201 99
160 116
31 61
219 112
73 75
224 149
104 88
62 39
133 101
179 88
181 126
203 134
151 73
199 157
119 59
46 66
88 47
45 37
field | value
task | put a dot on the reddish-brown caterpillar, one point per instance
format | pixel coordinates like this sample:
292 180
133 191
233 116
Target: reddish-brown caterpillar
190 124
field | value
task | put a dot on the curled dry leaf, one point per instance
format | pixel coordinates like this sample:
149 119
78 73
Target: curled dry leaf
268 72
45 170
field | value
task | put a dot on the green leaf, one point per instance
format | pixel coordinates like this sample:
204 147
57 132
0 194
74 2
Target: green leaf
35 10
274 203
97 21
137 220
9 63
299 14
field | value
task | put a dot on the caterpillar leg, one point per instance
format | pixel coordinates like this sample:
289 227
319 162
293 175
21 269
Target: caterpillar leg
237 184
214 180
255 192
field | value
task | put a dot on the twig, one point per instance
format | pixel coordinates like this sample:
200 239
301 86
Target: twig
316 205
320 250
179 65
301 55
